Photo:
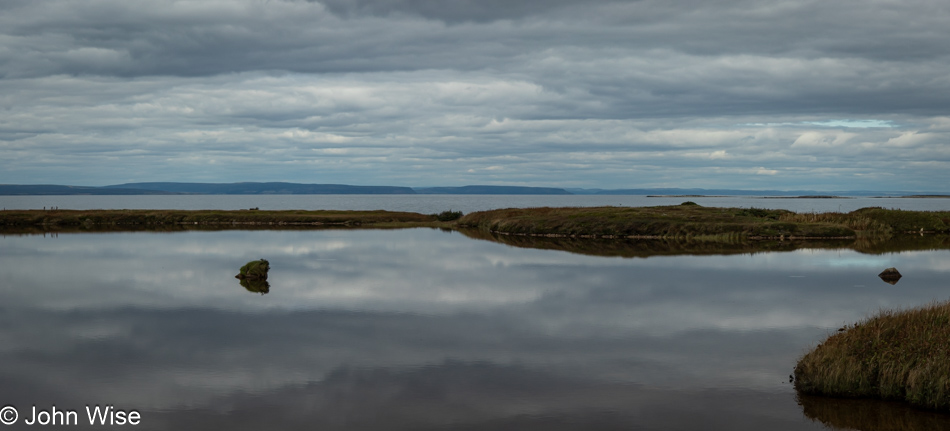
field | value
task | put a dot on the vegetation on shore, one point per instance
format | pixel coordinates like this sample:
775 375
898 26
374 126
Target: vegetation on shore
240 218
895 355
680 221
686 221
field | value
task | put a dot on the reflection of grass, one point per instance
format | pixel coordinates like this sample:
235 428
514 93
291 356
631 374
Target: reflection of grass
622 247
870 415
901 355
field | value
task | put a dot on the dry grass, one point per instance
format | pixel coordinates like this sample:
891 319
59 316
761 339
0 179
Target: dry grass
879 221
681 221
91 218
899 355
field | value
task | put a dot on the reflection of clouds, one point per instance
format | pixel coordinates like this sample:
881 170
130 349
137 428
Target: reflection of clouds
118 311
426 271
478 395
188 357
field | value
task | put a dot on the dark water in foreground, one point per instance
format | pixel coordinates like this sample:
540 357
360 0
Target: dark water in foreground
423 329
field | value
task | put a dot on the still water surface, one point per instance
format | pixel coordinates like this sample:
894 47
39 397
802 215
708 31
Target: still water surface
425 329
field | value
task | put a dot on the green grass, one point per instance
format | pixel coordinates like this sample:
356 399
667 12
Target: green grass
895 355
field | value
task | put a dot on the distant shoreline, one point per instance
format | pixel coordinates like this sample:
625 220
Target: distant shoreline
688 196
285 188
807 197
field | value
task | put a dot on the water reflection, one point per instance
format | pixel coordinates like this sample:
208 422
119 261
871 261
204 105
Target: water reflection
425 330
870 415
455 395
255 285
641 248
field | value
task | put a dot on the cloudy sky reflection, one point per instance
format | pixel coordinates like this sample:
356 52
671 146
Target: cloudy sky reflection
113 312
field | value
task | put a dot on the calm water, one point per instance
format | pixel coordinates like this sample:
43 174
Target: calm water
430 204
424 329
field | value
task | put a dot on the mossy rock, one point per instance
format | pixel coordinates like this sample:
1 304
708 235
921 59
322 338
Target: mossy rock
254 270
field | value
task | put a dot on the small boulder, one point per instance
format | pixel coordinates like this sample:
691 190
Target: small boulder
254 270
890 275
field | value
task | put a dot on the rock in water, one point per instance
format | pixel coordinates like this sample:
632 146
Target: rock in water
890 275
254 270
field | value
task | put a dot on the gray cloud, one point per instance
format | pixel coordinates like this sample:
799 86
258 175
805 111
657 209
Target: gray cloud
588 94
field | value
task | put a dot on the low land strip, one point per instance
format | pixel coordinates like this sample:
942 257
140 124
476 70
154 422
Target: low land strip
686 221
239 219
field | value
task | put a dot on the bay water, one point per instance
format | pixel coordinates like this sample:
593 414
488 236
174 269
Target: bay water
429 329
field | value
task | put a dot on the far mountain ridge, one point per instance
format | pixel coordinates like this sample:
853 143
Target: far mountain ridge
286 188
273 188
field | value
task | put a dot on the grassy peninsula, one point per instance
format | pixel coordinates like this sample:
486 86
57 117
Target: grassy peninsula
693 221
895 355
131 219
686 221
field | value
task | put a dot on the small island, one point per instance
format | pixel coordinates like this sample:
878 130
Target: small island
689 220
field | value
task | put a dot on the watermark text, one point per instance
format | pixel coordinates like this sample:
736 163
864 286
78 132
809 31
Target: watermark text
92 415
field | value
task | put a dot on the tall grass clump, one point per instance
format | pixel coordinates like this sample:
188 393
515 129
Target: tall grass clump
449 215
895 355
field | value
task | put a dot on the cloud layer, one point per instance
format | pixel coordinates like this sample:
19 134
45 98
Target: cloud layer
740 94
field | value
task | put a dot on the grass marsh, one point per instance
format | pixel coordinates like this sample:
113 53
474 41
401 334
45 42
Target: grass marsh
895 355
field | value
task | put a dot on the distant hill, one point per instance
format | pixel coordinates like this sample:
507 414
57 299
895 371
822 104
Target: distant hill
282 188
492 190
266 188
52 189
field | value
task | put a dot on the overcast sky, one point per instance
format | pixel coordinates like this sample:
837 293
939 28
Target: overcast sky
749 94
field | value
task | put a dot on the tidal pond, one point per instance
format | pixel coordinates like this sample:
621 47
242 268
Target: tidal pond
426 329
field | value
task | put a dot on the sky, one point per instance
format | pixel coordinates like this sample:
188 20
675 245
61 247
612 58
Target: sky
742 94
